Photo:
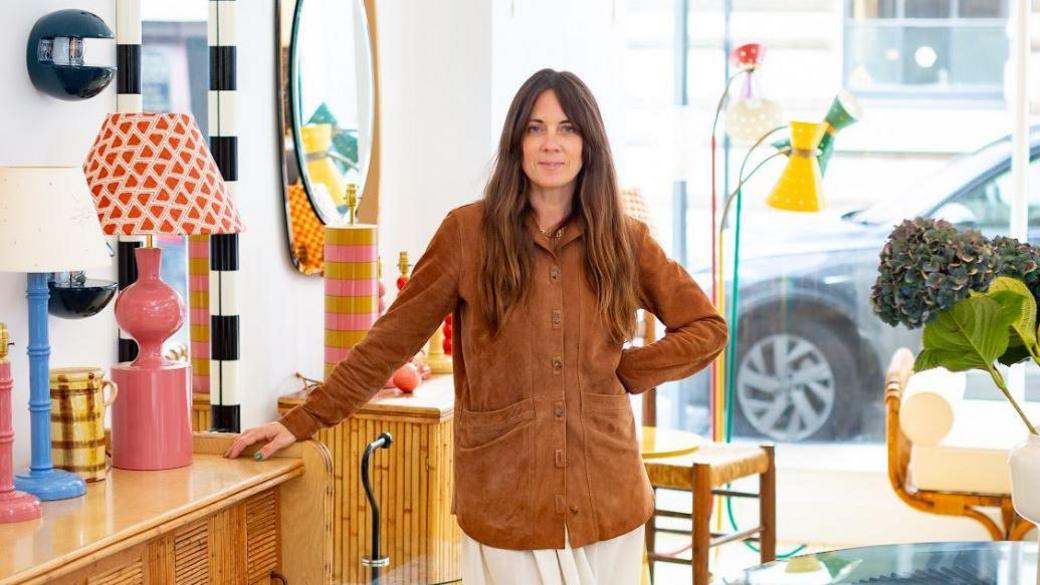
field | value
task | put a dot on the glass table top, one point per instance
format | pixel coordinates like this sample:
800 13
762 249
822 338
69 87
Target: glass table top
946 563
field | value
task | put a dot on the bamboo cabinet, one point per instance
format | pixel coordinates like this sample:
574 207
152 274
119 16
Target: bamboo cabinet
413 482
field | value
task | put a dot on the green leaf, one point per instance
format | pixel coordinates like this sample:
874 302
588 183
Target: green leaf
1004 290
971 334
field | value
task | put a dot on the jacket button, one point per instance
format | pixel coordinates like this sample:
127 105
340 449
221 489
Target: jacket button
574 509
558 411
554 273
557 316
557 364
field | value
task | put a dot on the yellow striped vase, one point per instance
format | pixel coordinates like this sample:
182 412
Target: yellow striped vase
351 289
78 420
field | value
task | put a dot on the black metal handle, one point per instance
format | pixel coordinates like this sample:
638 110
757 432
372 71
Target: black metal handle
376 561
281 578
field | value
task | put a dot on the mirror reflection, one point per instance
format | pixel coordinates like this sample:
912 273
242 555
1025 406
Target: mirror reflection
327 119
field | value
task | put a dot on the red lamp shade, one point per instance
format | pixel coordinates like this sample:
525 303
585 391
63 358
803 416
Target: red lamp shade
748 55
152 173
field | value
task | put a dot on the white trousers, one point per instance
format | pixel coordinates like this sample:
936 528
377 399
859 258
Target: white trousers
618 561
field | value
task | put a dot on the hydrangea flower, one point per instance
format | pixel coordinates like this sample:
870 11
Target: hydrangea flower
926 266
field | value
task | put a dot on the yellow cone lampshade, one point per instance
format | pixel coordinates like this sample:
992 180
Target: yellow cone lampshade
800 187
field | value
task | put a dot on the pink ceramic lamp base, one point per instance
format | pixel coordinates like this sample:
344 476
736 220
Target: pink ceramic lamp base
16 506
151 429
151 418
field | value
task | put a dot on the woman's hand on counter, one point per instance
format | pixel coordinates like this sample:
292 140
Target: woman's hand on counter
277 436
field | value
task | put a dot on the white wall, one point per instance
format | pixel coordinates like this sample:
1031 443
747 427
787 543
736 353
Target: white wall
435 67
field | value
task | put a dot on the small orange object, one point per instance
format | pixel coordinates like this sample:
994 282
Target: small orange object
407 377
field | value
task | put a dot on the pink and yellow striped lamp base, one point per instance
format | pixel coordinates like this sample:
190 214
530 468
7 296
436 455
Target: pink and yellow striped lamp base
351 288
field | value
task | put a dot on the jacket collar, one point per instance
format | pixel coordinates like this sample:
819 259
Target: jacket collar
573 229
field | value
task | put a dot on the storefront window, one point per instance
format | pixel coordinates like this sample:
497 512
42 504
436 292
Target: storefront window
926 48
810 355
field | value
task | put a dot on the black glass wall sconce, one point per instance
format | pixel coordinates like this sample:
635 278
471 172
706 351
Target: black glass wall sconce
60 63
74 296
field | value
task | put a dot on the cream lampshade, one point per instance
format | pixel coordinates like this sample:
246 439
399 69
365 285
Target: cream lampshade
48 222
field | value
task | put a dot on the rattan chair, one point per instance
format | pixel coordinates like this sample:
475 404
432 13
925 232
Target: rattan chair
968 504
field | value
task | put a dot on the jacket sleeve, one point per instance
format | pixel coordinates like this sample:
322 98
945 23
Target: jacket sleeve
430 294
694 331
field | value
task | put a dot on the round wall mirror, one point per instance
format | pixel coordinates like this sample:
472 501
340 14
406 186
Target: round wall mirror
328 119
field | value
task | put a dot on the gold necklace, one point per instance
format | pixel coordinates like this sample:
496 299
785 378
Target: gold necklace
556 236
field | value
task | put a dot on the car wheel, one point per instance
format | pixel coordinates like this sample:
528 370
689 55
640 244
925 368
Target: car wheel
796 384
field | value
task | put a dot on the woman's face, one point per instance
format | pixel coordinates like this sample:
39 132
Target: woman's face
552 145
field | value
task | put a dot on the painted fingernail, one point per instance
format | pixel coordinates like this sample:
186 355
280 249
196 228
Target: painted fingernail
259 456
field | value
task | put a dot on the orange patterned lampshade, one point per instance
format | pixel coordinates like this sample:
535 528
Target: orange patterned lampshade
152 173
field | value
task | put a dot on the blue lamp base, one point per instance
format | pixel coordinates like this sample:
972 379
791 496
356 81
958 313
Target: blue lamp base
52 484
42 480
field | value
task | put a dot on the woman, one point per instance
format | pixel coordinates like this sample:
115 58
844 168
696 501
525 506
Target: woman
543 277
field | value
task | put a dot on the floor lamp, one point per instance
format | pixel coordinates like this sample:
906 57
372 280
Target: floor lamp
799 189
748 115
47 224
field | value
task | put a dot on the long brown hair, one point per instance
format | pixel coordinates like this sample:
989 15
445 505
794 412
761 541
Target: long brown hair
509 249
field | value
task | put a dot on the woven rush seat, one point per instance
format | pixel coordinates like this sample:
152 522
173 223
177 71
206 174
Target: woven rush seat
727 463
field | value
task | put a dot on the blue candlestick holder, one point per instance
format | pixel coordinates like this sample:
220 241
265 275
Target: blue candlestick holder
42 480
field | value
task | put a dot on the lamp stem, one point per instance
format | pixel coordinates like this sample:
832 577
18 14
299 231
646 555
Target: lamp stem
39 379
727 205
725 379
149 241
734 322
42 481
716 281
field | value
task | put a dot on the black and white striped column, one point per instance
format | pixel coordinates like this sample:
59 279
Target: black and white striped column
223 249
128 99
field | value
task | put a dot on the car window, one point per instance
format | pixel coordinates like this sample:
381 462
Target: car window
987 206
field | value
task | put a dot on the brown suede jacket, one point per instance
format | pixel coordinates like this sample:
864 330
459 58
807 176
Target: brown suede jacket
544 431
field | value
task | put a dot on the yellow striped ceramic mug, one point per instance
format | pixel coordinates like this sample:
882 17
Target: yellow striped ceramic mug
78 420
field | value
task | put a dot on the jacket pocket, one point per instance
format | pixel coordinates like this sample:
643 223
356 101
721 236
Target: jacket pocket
615 465
607 403
493 459
482 427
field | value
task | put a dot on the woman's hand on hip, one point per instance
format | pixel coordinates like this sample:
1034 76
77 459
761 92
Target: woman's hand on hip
277 436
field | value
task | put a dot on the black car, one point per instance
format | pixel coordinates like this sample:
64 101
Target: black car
810 351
